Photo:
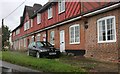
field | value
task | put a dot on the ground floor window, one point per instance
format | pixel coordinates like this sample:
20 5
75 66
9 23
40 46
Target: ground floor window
32 39
52 34
24 42
106 29
38 37
74 32
44 37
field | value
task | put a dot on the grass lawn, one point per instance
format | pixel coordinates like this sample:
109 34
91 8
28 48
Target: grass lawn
42 64
90 65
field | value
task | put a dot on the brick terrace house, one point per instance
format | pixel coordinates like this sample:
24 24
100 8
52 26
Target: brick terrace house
85 28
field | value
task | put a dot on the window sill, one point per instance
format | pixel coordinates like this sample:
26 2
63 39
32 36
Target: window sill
50 18
75 43
61 12
113 41
38 23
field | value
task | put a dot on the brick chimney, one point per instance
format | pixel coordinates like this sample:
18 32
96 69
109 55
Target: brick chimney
21 19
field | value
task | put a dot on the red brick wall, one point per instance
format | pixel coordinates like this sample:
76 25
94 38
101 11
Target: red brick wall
100 50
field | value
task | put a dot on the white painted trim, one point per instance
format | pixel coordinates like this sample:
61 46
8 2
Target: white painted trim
105 18
74 34
76 18
49 17
75 43
59 12
38 18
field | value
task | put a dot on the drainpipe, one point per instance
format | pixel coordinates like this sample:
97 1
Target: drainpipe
46 35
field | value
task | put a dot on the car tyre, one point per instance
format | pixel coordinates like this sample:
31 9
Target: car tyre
38 55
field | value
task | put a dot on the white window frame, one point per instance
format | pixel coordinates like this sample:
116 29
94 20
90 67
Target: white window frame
105 18
50 14
73 26
53 38
38 18
61 6
32 38
17 31
27 26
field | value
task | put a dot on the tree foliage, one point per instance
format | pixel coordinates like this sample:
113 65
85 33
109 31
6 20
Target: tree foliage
5 35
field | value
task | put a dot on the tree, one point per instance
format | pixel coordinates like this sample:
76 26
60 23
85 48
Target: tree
5 36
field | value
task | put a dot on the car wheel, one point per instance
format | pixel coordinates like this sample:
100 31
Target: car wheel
37 55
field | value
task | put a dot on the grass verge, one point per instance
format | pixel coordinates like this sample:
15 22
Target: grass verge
42 64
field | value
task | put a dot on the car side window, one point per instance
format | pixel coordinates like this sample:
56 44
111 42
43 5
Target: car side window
39 44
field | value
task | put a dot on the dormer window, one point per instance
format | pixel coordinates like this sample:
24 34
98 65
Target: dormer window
61 6
27 26
49 12
17 31
38 18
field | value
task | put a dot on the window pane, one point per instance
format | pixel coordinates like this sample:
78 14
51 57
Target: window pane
52 37
110 29
77 34
63 5
38 18
72 34
102 34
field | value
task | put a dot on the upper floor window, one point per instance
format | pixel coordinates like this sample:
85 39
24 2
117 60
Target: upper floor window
17 31
38 18
61 6
49 12
52 35
27 26
74 31
31 22
106 29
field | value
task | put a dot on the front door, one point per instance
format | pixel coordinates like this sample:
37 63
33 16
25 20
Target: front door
62 41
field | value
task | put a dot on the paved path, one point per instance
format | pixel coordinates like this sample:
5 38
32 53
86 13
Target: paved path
16 67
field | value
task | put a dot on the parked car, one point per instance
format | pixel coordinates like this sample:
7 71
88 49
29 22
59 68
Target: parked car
42 49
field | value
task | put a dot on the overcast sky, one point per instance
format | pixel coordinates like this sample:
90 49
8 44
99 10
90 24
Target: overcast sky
7 6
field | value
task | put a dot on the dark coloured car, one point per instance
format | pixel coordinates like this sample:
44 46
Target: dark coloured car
42 49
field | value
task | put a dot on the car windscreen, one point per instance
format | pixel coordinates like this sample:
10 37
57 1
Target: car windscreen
43 44
47 44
